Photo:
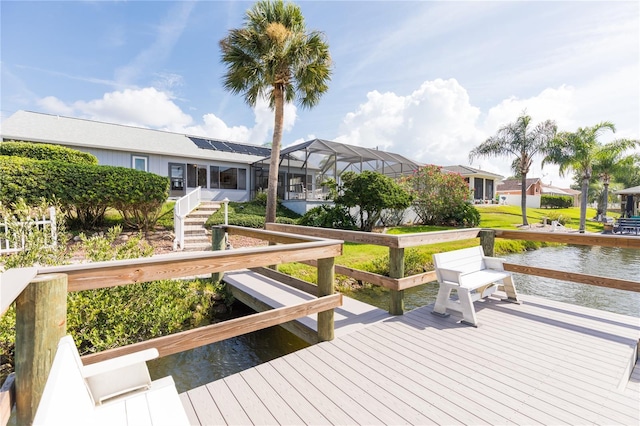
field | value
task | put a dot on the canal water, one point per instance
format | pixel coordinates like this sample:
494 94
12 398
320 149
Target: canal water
202 365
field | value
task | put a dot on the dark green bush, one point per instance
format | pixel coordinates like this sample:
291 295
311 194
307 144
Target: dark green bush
415 262
251 215
325 216
118 316
464 215
85 191
44 151
556 201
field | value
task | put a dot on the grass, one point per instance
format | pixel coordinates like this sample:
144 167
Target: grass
362 256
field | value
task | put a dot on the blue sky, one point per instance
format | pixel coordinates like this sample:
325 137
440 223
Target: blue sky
426 79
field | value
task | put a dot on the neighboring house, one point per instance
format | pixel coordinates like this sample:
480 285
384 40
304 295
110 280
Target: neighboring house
510 192
552 190
482 183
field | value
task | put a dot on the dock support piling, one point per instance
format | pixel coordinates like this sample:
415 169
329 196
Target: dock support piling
217 243
396 270
487 241
326 287
41 321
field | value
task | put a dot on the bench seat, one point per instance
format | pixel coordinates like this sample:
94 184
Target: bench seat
473 276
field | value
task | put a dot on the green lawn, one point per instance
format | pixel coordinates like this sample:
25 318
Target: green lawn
360 256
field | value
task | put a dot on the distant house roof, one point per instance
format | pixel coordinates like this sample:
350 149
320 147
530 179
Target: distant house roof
470 171
515 184
548 189
82 133
628 191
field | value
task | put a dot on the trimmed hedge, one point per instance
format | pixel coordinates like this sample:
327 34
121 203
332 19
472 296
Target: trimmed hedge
84 191
556 201
44 151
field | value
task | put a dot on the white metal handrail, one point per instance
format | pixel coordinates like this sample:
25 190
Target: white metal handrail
182 208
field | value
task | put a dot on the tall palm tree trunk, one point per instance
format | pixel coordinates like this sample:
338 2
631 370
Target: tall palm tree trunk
274 164
523 198
583 204
605 199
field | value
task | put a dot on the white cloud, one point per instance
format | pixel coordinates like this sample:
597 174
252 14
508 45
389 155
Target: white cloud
437 124
146 107
434 124
152 108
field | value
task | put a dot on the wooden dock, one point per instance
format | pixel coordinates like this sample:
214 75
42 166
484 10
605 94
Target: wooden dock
262 293
543 362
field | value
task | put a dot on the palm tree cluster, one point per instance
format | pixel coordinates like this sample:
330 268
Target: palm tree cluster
579 151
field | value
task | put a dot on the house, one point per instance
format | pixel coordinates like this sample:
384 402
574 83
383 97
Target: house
482 183
552 190
222 169
510 192
629 206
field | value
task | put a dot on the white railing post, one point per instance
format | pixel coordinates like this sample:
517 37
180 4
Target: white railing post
182 208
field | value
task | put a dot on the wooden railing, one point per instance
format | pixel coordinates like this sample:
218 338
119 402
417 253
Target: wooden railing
396 283
40 296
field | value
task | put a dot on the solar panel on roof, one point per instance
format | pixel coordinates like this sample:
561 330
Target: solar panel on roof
237 148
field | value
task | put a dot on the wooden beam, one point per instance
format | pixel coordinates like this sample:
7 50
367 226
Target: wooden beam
574 277
423 238
266 235
7 398
41 321
297 328
119 272
296 283
338 234
386 240
619 241
191 339
416 280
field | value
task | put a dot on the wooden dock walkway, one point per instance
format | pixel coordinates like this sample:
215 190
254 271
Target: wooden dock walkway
543 362
261 293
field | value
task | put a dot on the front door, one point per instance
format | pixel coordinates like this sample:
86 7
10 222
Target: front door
176 174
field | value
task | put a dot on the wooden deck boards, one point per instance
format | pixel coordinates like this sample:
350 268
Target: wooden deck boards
351 316
542 362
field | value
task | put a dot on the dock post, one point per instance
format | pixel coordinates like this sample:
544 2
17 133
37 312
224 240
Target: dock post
396 270
41 321
326 287
217 243
487 241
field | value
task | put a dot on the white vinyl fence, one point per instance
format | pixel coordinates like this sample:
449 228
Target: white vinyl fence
14 234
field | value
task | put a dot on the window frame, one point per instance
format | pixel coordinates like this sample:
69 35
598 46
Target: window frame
135 157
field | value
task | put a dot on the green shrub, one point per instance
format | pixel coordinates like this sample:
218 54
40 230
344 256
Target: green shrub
102 248
108 318
415 262
560 218
325 216
556 201
251 215
48 152
464 215
85 191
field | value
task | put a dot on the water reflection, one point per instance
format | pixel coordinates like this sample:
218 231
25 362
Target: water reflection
205 364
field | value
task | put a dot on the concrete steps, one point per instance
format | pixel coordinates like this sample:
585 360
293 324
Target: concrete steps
196 236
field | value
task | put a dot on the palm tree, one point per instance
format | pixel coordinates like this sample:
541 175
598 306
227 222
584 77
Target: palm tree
609 162
581 152
273 57
518 140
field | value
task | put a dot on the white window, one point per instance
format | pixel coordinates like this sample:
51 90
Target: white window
139 162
